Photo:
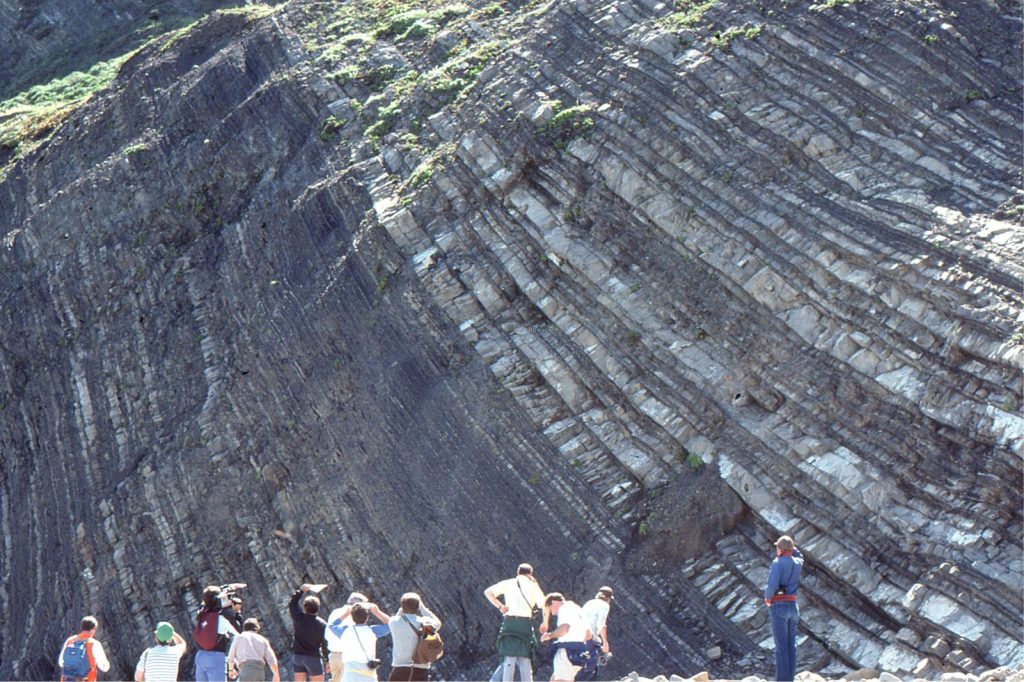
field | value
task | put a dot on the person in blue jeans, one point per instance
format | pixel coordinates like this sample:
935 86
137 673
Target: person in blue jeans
212 635
780 598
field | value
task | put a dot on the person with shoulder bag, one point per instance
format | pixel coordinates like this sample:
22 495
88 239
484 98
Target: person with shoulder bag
359 642
415 642
516 639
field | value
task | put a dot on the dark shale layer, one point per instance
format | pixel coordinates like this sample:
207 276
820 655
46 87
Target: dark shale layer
395 296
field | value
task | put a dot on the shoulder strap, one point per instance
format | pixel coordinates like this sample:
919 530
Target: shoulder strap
525 598
359 641
419 633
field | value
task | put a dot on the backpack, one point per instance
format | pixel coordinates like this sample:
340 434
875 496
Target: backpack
205 632
77 658
430 646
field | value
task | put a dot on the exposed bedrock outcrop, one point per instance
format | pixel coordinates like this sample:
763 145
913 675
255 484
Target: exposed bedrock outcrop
642 297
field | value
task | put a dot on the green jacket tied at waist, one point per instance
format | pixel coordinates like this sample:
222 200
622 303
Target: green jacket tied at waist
516 637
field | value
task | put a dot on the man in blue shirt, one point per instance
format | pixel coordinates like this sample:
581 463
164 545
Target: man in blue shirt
780 598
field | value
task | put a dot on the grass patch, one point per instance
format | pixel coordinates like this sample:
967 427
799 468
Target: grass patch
29 117
398 25
425 170
688 15
453 78
568 124
331 126
722 40
830 4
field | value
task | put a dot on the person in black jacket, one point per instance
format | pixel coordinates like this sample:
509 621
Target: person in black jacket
234 613
309 649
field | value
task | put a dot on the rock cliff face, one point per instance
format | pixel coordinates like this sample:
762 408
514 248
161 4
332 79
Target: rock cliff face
40 38
395 297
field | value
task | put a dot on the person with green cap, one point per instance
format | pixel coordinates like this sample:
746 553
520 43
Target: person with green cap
160 663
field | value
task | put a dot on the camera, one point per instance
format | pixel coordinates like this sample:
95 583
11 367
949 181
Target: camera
373 663
603 659
227 592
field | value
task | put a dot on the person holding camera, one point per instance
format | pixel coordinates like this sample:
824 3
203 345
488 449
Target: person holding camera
309 648
783 612
412 621
359 642
212 634
595 613
340 615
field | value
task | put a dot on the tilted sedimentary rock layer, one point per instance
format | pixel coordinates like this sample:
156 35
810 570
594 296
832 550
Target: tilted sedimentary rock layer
360 331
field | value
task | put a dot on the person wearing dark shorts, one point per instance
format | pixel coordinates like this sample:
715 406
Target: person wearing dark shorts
309 649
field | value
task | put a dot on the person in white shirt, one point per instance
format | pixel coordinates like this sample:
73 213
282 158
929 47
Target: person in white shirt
412 620
250 654
595 612
571 629
359 642
340 615
521 595
160 663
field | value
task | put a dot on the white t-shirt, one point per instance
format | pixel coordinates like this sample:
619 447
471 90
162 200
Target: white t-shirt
595 613
160 663
571 613
333 642
514 590
358 642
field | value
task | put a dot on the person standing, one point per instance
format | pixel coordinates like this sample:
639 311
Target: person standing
340 615
211 634
249 652
780 598
309 648
595 613
235 615
570 632
516 638
82 654
359 643
159 663
412 619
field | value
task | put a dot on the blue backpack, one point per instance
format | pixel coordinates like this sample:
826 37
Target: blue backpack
77 663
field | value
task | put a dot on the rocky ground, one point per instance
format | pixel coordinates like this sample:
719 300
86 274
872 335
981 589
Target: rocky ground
1001 674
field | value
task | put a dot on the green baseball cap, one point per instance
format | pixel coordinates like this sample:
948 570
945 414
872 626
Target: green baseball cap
164 631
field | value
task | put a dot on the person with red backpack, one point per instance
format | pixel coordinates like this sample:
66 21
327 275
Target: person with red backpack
212 635
82 654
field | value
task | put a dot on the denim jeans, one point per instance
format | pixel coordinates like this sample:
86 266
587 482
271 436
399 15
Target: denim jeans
210 666
784 618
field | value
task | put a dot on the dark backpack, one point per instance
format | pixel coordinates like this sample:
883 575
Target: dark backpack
77 658
205 632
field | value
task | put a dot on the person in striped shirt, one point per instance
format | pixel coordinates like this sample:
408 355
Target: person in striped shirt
159 663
